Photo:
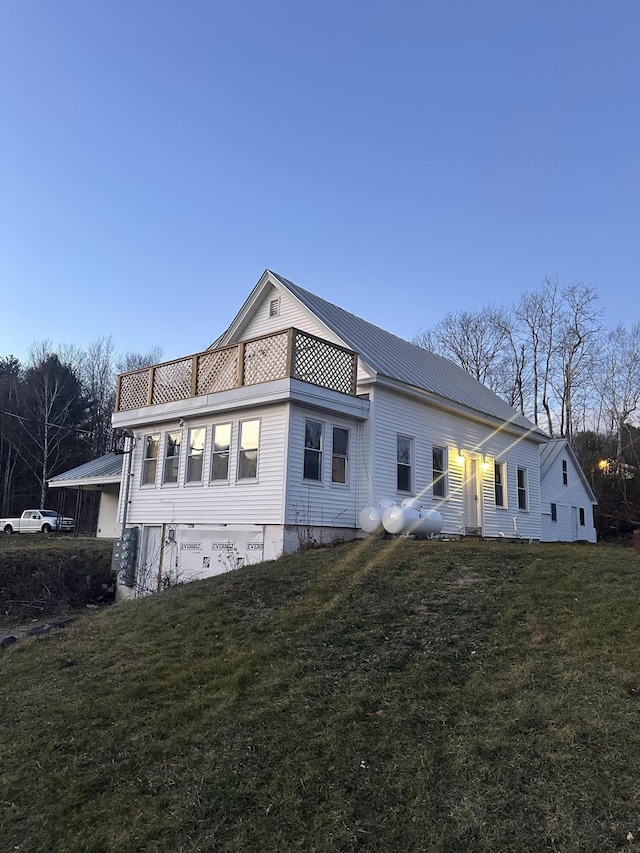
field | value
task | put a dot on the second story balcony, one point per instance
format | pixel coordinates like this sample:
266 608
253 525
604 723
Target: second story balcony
289 353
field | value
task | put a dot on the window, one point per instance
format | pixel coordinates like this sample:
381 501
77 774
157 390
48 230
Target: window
554 512
403 463
150 462
522 489
196 454
339 455
220 452
439 487
274 307
500 482
248 450
171 457
312 466
565 475
581 516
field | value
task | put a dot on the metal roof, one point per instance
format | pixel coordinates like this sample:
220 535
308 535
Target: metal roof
395 358
104 469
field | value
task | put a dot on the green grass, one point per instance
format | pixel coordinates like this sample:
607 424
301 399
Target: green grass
383 696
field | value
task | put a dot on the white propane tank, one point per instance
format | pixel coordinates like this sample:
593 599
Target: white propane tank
398 519
370 518
430 522
412 503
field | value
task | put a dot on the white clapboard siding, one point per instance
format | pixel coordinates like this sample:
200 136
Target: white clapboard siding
323 504
395 414
291 314
239 502
569 500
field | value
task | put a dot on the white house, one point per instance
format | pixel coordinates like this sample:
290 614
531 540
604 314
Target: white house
299 416
567 498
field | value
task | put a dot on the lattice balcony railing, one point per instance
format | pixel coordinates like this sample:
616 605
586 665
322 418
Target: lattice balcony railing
289 353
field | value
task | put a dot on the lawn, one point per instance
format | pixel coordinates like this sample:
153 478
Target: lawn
382 696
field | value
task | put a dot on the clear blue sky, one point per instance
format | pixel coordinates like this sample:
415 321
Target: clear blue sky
401 159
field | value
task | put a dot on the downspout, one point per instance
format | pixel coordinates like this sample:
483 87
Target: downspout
127 483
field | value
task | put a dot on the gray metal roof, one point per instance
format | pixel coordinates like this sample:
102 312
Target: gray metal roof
104 469
395 358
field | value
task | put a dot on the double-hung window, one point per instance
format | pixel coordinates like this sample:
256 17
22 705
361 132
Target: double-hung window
500 483
565 473
523 489
150 461
312 465
248 444
220 444
339 455
403 463
172 444
439 471
196 455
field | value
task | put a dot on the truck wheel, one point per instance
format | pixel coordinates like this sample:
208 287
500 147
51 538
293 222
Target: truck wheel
8 528
46 528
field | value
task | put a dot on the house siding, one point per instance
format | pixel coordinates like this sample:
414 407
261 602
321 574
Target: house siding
323 503
257 501
396 414
568 500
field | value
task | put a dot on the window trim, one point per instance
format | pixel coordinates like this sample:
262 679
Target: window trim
165 457
319 451
524 489
215 453
335 455
408 466
242 450
443 474
151 483
501 466
191 455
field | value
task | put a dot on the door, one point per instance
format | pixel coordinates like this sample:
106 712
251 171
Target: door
471 497
147 579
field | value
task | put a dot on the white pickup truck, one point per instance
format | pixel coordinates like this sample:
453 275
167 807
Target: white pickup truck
37 521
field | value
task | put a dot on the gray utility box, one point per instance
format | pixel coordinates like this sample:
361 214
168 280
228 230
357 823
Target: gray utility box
125 551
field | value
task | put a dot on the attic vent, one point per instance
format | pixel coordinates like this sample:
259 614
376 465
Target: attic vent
274 307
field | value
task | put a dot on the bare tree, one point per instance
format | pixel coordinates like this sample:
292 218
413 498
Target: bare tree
620 380
132 360
473 339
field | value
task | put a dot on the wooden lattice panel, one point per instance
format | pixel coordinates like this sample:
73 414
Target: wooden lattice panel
217 371
134 388
265 359
172 381
321 363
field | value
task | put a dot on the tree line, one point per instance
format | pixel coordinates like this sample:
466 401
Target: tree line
55 413
550 355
